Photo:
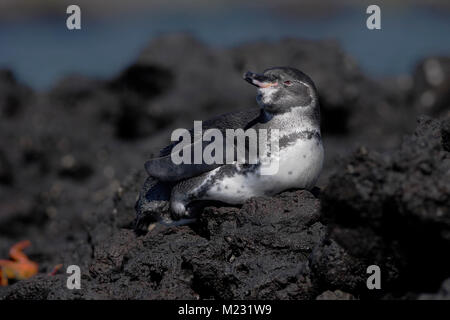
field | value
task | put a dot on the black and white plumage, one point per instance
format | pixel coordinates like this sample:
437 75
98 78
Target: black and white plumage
288 102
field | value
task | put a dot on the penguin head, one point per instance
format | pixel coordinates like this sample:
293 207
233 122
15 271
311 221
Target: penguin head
283 88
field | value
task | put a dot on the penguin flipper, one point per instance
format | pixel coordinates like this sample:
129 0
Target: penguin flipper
234 120
164 168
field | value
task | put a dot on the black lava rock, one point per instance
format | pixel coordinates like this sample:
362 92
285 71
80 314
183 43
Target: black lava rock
394 209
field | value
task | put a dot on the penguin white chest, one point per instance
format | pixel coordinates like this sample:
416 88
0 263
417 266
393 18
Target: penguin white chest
297 165
300 164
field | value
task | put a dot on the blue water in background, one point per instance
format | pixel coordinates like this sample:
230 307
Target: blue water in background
41 51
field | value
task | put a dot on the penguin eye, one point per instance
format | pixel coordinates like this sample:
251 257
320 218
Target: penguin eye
287 83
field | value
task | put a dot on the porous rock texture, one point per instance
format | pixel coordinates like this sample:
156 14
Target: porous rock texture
394 208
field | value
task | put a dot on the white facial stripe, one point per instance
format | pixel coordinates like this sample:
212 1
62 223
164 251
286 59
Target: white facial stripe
303 83
310 91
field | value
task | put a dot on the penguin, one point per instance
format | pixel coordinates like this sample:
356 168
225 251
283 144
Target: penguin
288 105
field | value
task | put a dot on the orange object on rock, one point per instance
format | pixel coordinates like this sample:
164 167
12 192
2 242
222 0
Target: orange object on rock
20 267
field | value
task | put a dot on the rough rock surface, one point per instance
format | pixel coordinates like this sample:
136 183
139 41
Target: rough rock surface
394 209
335 295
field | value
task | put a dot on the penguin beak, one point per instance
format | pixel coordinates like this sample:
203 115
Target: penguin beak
258 80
